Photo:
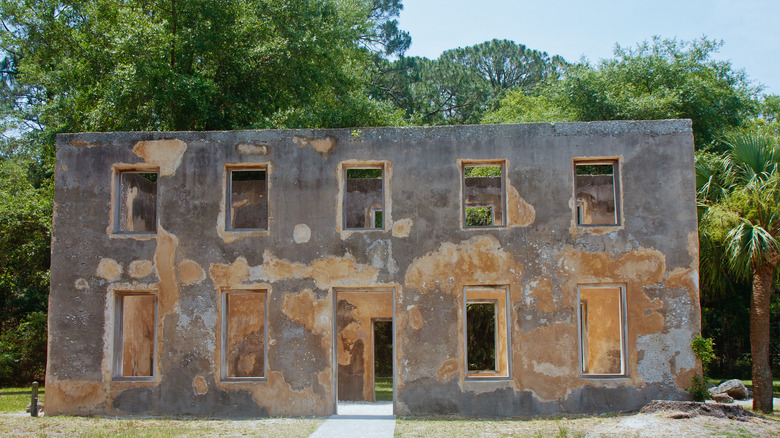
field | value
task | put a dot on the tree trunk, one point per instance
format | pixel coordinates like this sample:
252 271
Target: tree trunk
759 337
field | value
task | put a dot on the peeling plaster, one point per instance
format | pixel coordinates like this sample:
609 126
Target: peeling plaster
244 148
402 227
166 154
656 364
327 272
381 255
305 308
520 213
199 385
77 396
81 284
139 268
109 269
479 260
302 233
84 144
448 369
190 272
415 318
322 146
539 292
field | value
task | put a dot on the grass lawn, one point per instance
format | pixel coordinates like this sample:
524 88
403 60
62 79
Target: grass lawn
23 426
493 428
383 387
16 399
14 421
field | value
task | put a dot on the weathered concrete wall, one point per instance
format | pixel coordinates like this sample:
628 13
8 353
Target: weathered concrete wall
424 256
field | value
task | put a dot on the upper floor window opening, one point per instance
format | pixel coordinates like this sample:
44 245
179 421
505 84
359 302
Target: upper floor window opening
136 201
596 187
247 200
484 194
364 197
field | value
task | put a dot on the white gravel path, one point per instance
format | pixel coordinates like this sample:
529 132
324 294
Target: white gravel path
364 420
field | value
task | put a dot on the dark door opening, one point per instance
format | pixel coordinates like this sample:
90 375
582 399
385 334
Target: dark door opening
383 359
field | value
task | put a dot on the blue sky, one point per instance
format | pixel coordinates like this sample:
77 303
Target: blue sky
573 29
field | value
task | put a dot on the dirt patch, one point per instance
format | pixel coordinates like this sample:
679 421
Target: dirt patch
681 409
679 418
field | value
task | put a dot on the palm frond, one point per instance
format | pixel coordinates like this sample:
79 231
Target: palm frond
715 279
749 246
712 177
752 155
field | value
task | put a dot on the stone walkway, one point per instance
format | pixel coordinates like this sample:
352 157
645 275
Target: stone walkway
364 420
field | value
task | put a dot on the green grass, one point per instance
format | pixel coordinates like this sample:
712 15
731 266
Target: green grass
20 426
17 399
383 388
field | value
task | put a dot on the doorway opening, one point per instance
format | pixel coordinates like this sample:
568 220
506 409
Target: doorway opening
363 345
383 359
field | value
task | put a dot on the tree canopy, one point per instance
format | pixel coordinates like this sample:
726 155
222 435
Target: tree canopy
99 65
463 83
661 79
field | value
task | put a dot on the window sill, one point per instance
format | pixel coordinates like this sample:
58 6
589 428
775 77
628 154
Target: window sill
145 379
243 380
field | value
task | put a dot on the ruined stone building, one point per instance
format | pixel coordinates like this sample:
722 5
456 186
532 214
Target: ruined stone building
526 269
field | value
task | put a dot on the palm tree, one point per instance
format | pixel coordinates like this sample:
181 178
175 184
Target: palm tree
739 200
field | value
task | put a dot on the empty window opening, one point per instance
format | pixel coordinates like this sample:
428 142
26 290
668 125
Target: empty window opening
485 332
135 335
483 200
480 216
364 198
377 218
481 336
137 202
248 200
601 330
383 360
595 188
243 335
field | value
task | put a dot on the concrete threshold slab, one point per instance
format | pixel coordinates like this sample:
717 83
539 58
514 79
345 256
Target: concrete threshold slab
354 419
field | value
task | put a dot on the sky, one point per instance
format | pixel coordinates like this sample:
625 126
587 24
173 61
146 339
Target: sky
750 29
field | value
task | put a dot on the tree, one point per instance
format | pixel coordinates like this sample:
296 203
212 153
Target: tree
662 79
23 351
463 83
740 198
383 35
25 232
99 65
768 121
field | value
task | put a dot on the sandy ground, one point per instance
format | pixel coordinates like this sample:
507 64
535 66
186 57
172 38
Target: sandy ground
662 425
